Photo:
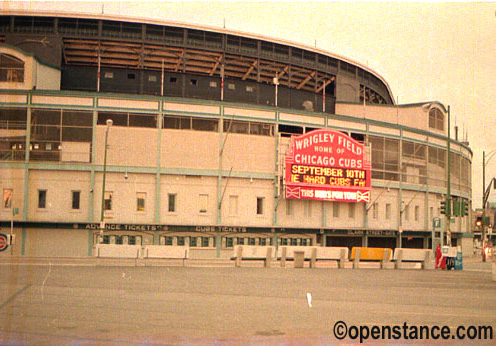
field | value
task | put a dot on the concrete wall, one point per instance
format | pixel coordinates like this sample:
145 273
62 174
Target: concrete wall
56 243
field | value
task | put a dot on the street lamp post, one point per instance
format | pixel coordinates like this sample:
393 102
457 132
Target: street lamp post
484 163
109 124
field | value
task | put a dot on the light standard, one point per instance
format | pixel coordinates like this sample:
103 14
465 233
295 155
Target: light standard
109 124
484 198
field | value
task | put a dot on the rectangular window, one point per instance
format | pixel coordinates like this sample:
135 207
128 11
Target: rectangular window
375 210
229 242
388 211
181 241
289 207
108 200
284 241
231 86
335 209
213 84
168 240
203 203
406 211
152 78
193 242
76 197
7 198
233 205
140 201
431 212
249 88
351 210
251 241
308 209
109 75
262 241
417 213
131 76
193 82
240 241
205 241
294 241
42 195
260 203
172 202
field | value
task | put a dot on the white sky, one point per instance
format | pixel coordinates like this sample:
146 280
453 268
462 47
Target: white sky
426 51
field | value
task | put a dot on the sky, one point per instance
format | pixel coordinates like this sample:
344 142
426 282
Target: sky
426 51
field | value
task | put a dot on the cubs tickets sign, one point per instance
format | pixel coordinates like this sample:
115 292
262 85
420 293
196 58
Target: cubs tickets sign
327 165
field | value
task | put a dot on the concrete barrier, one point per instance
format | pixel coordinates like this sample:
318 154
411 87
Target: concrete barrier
412 255
299 259
371 253
118 251
385 259
169 252
356 258
252 252
323 253
343 256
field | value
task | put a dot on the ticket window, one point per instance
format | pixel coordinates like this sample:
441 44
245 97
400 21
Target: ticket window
193 241
180 241
229 242
166 241
241 241
135 240
294 241
283 241
262 241
251 241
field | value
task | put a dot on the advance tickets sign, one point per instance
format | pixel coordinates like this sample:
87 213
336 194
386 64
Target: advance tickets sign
327 165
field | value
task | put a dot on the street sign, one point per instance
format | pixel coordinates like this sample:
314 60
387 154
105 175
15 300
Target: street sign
436 222
4 244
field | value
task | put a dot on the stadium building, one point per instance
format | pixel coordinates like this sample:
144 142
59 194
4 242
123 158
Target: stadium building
180 135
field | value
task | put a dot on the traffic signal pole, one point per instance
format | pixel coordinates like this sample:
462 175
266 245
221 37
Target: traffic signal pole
483 240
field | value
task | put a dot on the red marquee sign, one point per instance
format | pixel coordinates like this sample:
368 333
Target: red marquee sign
327 165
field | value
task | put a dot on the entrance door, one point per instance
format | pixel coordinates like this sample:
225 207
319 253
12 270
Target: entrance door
348 242
382 242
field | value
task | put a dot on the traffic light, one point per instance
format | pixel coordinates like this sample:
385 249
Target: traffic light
445 207
465 208
478 223
457 210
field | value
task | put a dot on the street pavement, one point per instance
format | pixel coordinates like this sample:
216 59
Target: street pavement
72 304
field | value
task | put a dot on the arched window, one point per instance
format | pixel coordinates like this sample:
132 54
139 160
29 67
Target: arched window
436 119
11 69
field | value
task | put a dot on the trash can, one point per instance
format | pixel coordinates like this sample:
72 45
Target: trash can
299 259
459 259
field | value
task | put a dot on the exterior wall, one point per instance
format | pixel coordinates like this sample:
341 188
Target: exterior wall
47 78
12 179
55 243
186 163
196 149
58 187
